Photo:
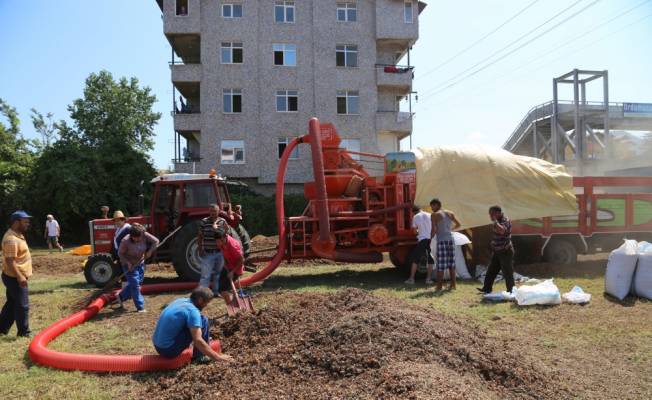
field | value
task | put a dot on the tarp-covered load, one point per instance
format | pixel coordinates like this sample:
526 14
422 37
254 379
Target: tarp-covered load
470 179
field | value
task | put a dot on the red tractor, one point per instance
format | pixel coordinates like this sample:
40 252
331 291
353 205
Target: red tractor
179 202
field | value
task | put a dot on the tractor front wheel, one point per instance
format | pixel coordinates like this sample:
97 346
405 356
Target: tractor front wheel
400 258
100 269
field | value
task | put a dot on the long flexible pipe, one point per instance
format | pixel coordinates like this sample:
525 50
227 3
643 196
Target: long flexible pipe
40 354
280 217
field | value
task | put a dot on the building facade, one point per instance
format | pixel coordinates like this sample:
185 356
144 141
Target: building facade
248 74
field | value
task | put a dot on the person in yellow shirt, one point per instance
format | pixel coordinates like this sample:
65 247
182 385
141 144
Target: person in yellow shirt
16 271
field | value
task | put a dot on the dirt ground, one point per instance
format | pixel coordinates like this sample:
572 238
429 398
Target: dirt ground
352 344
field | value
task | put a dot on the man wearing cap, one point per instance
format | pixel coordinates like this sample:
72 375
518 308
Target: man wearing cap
16 270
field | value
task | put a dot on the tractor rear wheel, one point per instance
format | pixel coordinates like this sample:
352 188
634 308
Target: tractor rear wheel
100 269
244 239
185 253
185 256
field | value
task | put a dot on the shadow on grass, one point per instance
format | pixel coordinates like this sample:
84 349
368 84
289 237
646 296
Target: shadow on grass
583 269
386 278
72 285
629 301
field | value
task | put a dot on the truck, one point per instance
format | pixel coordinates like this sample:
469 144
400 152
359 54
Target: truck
611 208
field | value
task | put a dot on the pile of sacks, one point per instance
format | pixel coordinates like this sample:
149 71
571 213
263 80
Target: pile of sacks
629 270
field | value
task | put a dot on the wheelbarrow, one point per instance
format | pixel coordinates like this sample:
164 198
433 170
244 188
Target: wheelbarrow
241 301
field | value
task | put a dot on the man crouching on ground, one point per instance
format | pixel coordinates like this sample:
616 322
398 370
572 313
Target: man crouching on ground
233 262
181 323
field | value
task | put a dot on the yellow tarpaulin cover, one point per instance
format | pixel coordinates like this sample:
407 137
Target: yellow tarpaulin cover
470 179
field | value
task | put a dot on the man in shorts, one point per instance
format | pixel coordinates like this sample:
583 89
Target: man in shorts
233 262
421 222
443 223
52 233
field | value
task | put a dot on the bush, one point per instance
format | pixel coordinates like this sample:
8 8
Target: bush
259 211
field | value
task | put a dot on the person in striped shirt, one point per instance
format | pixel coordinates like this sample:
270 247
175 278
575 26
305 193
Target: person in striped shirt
503 251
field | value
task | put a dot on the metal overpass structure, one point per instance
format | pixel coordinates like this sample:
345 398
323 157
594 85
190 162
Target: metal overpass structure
578 133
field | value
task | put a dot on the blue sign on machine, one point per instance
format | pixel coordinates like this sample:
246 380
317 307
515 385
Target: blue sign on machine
637 109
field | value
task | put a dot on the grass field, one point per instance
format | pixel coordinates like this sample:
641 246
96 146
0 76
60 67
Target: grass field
605 345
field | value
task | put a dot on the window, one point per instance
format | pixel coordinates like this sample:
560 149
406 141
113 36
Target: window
284 11
199 195
347 12
282 144
232 100
287 100
346 55
231 53
351 145
347 102
285 54
182 8
409 15
231 10
233 152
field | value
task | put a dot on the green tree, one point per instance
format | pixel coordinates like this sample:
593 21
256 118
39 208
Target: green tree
100 158
45 126
113 112
16 159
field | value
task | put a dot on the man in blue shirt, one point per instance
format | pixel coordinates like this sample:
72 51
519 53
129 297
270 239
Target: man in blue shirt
181 323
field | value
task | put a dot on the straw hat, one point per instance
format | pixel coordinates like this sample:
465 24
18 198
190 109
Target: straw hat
119 215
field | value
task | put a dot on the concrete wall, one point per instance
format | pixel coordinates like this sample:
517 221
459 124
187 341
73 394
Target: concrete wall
315 32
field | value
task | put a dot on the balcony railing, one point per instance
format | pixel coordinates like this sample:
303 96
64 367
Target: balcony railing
395 75
394 121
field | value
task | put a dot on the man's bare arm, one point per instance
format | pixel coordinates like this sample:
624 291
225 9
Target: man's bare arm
456 222
11 265
433 222
205 348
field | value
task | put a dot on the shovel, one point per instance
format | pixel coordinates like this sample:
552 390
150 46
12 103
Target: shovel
240 301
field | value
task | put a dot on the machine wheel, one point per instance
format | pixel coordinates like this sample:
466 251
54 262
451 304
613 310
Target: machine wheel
100 269
560 252
399 257
185 254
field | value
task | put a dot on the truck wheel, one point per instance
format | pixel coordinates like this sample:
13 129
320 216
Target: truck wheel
100 269
185 254
244 239
560 252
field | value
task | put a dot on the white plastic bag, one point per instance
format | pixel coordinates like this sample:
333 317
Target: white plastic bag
577 296
620 269
461 270
501 296
545 292
643 275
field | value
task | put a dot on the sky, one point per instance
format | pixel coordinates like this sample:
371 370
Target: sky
48 48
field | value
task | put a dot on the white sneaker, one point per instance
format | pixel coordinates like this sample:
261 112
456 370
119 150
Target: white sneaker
429 281
410 281
142 310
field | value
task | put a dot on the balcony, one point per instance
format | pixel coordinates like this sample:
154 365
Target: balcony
181 16
391 25
394 121
187 121
187 48
394 76
185 73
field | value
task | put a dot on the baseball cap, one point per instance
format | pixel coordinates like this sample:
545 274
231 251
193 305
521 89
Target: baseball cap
18 215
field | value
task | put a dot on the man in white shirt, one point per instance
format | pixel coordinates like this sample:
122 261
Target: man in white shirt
52 233
421 222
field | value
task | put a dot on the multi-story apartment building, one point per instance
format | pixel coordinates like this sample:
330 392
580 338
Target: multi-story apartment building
248 74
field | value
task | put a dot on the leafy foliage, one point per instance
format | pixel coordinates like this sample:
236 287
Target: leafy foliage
100 159
16 159
259 212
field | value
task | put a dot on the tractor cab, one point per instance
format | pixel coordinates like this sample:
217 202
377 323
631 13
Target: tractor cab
178 198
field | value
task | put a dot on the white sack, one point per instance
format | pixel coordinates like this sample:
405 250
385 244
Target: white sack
545 292
461 270
643 275
576 296
620 270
